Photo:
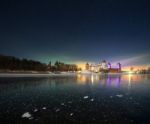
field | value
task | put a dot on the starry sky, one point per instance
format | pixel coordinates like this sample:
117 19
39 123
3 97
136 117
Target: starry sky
76 31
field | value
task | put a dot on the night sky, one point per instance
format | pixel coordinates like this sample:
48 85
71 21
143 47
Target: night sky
76 31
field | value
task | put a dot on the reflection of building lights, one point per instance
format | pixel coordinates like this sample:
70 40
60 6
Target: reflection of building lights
129 81
97 78
130 72
92 79
82 79
79 72
129 78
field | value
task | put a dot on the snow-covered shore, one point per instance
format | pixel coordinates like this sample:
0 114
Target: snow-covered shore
35 75
53 74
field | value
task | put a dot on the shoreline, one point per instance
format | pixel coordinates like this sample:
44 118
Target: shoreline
53 74
50 74
9 75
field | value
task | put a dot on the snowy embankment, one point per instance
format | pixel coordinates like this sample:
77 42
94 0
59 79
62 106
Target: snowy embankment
51 74
36 75
85 72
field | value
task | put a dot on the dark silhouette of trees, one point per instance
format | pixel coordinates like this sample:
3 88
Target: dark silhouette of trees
144 71
13 63
60 66
49 66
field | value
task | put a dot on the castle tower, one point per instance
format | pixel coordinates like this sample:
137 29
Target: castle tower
87 66
104 65
109 65
119 67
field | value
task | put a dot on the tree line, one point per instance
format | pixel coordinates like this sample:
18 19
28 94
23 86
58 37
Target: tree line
13 63
60 66
144 71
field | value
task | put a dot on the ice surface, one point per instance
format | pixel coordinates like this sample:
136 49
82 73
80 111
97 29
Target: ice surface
53 99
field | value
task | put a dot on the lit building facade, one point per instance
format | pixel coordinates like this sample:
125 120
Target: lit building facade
103 67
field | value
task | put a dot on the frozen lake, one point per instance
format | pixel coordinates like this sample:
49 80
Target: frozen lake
75 99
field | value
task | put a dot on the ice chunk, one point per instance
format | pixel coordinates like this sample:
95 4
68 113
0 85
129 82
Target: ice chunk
26 115
35 110
30 118
92 100
57 110
44 108
111 96
69 102
62 104
71 114
119 95
86 97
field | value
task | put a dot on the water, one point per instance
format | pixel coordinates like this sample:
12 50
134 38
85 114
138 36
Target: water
87 99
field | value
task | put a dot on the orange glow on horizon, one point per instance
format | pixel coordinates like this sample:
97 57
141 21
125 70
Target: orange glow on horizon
135 68
81 65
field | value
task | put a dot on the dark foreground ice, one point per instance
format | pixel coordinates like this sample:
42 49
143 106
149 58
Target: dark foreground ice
78 99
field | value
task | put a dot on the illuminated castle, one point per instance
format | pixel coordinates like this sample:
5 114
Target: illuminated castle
103 67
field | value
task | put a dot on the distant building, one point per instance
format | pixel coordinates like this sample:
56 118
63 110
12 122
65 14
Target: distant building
103 67
94 68
115 69
87 66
